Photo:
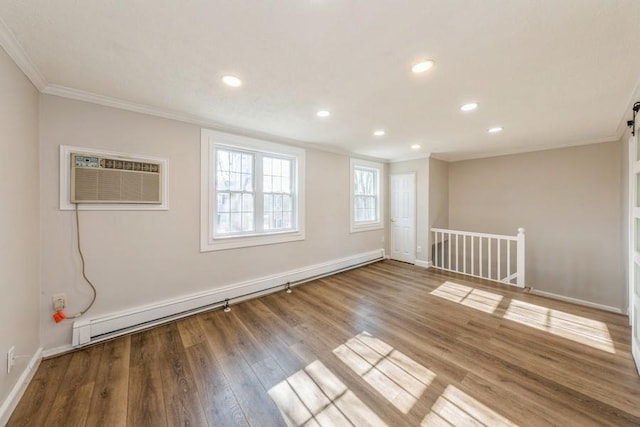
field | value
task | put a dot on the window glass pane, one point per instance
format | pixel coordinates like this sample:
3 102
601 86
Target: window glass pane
235 162
286 220
235 181
223 202
365 194
247 163
223 160
235 225
287 203
247 203
222 222
286 185
247 222
236 201
222 180
236 193
266 165
247 182
277 167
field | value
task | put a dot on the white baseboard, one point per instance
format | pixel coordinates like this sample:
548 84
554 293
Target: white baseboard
57 351
19 388
423 264
577 301
92 330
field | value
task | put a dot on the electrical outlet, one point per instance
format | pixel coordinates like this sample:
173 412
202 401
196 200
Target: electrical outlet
419 249
11 358
59 302
382 239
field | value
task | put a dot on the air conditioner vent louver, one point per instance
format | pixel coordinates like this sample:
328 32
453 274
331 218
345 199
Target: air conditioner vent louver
114 180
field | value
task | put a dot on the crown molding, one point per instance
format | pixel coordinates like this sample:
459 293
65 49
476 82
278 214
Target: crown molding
16 52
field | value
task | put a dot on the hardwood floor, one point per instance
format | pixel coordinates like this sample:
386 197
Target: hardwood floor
387 344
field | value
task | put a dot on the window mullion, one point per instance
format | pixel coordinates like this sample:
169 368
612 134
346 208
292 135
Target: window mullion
259 195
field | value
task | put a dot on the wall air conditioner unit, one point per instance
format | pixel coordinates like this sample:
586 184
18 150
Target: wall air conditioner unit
115 179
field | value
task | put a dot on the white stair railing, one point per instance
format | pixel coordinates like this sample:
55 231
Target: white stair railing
488 256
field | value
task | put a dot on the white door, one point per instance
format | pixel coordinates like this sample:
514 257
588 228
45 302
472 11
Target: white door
403 217
634 247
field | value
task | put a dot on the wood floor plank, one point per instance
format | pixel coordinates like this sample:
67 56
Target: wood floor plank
221 408
111 389
71 405
182 402
37 400
146 403
256 405
399 344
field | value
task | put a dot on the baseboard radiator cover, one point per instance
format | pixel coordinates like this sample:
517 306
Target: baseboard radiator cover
92 330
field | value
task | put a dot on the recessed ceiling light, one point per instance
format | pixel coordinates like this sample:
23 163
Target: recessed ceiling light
232 81
415 147
379 132
422 66
469 107
495 129
323 113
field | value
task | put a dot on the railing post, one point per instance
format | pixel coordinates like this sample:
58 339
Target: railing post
520 260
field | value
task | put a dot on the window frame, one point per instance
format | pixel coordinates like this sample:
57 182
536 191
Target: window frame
210 142
358 226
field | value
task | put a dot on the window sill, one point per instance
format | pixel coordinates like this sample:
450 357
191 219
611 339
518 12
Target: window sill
236 242
366 227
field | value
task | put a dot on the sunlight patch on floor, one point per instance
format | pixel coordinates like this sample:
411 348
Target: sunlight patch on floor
314 396
455 407
471 297
575 328
579 329
394 375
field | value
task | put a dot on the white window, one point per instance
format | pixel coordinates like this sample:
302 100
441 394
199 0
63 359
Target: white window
366 195
252 192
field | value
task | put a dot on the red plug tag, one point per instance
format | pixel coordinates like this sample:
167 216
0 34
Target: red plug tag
58 316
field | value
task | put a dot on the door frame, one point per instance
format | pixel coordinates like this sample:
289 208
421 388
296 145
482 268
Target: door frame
415 214
633 248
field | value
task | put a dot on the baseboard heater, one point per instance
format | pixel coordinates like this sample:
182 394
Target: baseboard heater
93 330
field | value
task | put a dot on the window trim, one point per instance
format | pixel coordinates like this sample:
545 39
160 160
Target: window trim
369 225
209 141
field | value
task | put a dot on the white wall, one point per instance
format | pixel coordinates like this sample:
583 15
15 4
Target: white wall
438 198
137 258
19 220
570 203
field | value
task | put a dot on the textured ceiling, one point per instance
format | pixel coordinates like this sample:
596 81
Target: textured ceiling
551 72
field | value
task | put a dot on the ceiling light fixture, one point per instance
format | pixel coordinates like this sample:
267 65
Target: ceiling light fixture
415 147
495 129
323 113
379 132
469 107
232 81
422 66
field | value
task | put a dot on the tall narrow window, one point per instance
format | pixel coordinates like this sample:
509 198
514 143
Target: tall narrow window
366 195
235 205
278 193
252 192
